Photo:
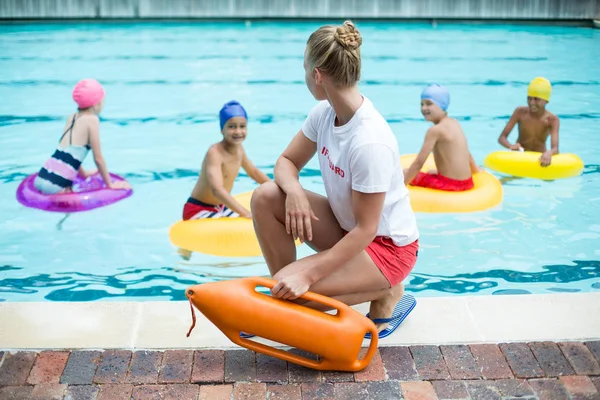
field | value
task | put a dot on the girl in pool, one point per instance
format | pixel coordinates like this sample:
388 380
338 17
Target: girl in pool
82 133
364 232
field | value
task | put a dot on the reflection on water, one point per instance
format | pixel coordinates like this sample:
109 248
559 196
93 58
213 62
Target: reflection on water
168 283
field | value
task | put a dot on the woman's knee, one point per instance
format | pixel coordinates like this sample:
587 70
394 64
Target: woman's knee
266 197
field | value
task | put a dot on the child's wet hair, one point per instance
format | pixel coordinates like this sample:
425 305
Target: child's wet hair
335 50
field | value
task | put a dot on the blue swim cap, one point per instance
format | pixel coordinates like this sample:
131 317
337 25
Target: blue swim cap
438 94
230 110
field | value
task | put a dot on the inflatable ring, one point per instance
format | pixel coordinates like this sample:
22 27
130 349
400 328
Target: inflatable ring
487 193
526 164
87 194
226 237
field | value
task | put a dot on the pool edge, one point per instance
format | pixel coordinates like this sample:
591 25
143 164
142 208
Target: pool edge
163 325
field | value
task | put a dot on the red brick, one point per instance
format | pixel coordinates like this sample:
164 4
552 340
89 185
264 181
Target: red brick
483 390
284 392
594 348
383 390
209 366
337 376
240 366
176 366
581 358
144 367
418 390
549 389
514 388
215 392
113 367
450 390
148 392
80 368
115 392
596 381
15 392
181 392
82 392
317 391
580 387
48 391
373 372
398 363
16 367
249 391
551 359
48 367
429 362
521 360
166 392
491 361
460 362
350 391
271 369
299 374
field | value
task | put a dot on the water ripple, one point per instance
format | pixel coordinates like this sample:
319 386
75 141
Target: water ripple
74 286
231 81
194 119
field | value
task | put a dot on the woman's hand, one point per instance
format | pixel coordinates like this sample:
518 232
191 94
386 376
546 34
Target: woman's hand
298 215
291 287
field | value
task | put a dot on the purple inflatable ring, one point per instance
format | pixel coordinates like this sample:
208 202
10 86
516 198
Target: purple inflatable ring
87 194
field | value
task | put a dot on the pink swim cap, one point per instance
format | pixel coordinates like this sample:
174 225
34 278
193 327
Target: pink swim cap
88 93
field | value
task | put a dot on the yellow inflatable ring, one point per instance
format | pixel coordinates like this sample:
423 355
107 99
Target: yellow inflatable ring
526 164
487 193
226 237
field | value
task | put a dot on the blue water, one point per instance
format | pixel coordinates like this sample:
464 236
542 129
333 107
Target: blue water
165 84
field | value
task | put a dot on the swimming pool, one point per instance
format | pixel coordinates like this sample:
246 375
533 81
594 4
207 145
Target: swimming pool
165 84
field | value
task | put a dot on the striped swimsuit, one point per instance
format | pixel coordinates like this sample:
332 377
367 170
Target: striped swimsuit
59 172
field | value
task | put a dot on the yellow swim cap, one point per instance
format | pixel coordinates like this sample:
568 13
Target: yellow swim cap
540 88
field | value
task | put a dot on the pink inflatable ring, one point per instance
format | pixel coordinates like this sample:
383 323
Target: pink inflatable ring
87 194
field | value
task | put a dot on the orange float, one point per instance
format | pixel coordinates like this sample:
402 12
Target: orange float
235 306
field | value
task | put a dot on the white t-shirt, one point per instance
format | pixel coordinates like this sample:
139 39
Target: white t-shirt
362 155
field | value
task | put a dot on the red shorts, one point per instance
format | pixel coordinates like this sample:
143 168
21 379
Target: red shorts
195 209
440 182
394 262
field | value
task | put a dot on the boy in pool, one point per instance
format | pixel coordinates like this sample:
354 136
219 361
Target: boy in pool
535 123
446 139
211 196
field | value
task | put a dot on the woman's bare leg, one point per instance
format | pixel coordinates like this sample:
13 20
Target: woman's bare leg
358 281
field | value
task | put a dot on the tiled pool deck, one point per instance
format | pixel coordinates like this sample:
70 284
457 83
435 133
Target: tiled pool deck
536 370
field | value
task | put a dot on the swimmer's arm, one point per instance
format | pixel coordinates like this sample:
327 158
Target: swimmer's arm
256 174
214 175
98 157
367 208
554 127
514 118
292 160
430 139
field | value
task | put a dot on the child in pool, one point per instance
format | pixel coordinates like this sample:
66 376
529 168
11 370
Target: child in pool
535 123
211 196
454 162
82 133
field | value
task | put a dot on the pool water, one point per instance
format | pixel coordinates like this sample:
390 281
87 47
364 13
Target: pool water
165 84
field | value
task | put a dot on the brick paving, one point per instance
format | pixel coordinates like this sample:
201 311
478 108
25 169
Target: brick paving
529 371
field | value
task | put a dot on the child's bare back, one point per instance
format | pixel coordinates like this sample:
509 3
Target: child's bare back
450 151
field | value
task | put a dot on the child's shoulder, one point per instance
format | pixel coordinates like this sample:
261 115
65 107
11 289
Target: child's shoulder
521 110
551 117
